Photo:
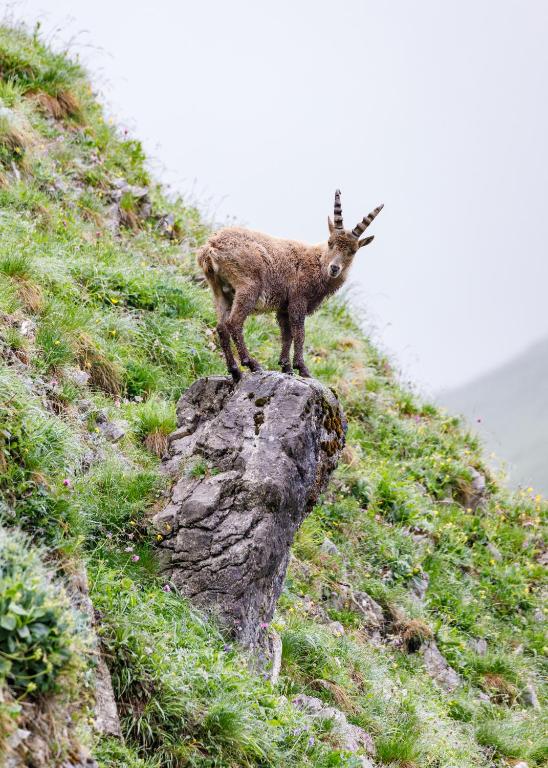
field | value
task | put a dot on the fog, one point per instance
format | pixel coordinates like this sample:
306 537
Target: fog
260 110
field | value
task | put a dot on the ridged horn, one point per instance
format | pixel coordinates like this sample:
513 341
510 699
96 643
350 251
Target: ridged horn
360 228
337 211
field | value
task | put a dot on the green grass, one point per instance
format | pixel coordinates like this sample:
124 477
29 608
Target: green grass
126 309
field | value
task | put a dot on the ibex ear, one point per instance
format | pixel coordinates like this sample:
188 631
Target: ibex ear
366 241
330 225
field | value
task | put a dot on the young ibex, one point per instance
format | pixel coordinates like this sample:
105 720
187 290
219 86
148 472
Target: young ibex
250 272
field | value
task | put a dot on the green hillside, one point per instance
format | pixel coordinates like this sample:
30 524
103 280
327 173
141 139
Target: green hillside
511 403
103 323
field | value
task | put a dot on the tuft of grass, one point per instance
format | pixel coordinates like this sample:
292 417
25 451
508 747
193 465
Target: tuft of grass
15 137
113 498
153 421
54 346
16 264
60 104
104 374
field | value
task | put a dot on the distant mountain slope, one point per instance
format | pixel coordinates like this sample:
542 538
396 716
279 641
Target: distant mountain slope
512 403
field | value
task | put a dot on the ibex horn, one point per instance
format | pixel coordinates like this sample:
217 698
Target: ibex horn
360 228
337 211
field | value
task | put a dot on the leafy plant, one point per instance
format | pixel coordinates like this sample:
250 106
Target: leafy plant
40 634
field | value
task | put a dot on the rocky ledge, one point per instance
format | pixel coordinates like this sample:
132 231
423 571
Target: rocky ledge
249 462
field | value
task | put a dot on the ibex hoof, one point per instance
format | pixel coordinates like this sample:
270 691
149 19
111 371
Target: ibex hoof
252 364
286 368
235 373
304 372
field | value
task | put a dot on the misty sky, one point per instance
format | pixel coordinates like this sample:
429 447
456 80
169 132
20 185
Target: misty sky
437 109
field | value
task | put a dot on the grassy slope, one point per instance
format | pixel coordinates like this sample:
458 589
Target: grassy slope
514 425
126 308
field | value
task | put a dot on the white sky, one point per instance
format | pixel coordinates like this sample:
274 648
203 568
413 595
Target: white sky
437 109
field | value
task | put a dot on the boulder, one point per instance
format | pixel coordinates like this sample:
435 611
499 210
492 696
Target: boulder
249 462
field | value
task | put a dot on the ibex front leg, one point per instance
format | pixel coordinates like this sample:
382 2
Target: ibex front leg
244 303
296 318
287 338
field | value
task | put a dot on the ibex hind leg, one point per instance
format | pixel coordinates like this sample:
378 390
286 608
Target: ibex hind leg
223 307
287 338
243 305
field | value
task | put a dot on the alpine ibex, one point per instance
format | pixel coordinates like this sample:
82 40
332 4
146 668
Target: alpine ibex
250 273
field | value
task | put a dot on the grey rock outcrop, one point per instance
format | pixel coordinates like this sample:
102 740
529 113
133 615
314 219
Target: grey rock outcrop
249 462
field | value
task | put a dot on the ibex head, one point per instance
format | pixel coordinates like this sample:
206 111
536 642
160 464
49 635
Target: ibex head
343 244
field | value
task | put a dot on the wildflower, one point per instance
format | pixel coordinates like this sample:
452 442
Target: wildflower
227 648
311 741
66 482
135 558
159 537
129 548
263 625
166 588
109 535
132 522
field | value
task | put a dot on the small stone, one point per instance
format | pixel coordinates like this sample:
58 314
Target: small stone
113 431
478 645
370 610
274 643
494 552
529 697
308 703
77 376
336 628
329 548
438 668
17 737
27 328
419 584
350 738
473 493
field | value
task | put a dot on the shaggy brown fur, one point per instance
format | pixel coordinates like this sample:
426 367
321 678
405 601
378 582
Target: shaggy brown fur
250 273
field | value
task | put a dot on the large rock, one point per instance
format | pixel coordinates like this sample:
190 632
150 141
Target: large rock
249 462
